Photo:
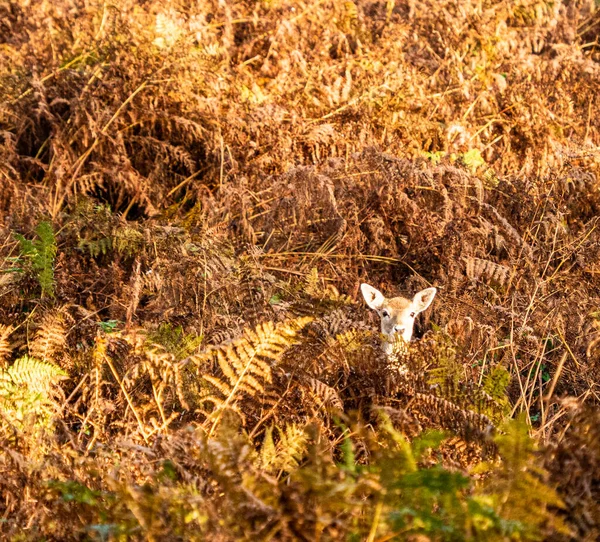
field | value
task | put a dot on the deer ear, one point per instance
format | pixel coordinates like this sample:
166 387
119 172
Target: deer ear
423 299
373 297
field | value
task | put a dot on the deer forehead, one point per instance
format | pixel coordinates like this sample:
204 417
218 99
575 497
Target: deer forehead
398 304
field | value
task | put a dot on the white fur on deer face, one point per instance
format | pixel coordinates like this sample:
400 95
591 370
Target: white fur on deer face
397 313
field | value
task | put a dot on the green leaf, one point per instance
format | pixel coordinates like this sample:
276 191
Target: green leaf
109 326
473 159
275 299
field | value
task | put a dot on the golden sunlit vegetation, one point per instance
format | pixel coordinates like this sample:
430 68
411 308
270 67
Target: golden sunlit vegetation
191 194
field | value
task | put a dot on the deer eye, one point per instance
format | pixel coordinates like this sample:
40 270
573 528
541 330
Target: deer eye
412 314
385 314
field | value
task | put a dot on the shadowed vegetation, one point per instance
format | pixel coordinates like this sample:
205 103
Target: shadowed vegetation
191 194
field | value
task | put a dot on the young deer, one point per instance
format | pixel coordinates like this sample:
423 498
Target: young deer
397 313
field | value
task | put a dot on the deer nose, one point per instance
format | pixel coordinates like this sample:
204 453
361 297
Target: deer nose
399 329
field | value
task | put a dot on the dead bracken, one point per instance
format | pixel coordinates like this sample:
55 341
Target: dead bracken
191 195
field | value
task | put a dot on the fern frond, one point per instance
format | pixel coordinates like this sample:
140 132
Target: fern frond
286 455
291 446
399 355
50 338
268 452
325 395
518 485
245 364
219 384
350 340
5 348
495 385
28 394
41 253
46 252
127 240
38 376
479 269
447 414
174 340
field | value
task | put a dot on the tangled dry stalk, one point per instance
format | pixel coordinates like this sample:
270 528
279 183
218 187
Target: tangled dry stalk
191 194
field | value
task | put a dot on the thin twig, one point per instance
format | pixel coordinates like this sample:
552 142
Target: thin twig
129 401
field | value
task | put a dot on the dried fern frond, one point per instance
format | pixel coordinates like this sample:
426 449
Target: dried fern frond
399 356
510 230
312 283
478 268
245 364
5 348
325 395
447 414
287 453
50 338
341 325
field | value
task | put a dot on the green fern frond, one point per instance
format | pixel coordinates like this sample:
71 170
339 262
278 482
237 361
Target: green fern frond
95 247
447 369
27 390
495 384
41 252
398 445
35 375
268 452
517 485
291 446
174 340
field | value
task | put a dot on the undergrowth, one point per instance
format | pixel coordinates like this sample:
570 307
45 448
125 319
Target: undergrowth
191 195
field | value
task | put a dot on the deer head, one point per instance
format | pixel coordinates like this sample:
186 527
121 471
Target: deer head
397 313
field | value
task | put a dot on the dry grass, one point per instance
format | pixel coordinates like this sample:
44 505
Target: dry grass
190 197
